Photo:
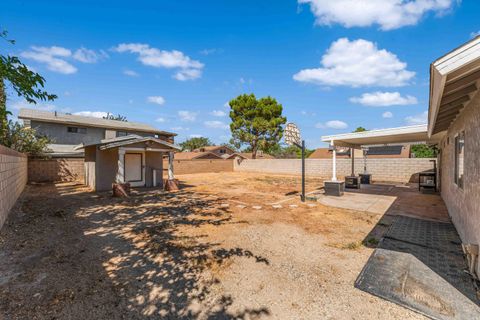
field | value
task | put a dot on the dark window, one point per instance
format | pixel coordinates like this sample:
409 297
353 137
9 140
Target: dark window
459 158
76 130
122 133
222 151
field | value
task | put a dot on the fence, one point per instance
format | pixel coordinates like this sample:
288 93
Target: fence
13 178
56 170
391 169
200 166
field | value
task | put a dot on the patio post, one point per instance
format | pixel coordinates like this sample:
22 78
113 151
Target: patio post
120 177
170 166
334 162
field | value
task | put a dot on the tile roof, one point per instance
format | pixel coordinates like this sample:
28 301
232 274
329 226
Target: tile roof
57 117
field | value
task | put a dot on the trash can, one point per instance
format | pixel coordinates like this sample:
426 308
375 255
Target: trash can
365 178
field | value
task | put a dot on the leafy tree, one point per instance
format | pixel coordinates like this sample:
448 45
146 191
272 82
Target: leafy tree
195 143
423 151
360 129
256 123
25 139
118 117
289 152
25 83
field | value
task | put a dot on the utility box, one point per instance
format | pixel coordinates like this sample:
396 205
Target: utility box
352 182
365 178
334 188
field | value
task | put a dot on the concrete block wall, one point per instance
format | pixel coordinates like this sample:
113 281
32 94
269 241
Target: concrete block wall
56 170
389 169
13 178
199 166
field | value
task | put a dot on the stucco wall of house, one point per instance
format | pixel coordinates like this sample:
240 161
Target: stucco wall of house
13 178
199 166
153 160
59 134
463 204
89 165
106 168
396 170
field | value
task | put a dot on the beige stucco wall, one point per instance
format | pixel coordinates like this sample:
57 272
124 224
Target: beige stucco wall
397 170
200 166
13 178
153 160
464 204
106 168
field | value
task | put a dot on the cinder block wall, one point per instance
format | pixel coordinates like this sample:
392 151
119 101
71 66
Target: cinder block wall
199 166
396 170
13 178
56 170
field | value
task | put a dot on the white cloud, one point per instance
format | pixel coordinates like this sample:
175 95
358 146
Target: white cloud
218 113
215 124
189 68
196 136
156 99
160 119
52 57
387 115
417 119
55 57
332 124
20 104
130 73
384 99
94 114
88 56
187 116
357 63
179 128
388 14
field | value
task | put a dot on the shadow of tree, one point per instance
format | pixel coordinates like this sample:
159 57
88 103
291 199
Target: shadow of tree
162 267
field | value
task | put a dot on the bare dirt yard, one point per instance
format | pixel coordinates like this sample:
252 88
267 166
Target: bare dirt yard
227 246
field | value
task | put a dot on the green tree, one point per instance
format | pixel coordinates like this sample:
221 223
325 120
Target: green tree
25 139
25 83
360 129
423 151
288 152
118 117
256 123
195 143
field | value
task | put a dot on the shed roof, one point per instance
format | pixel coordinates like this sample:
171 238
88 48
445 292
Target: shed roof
58 117
127 140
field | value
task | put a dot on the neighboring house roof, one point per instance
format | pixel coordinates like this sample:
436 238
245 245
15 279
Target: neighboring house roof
248 155
127 140
196 155
57 117
212 148
325 153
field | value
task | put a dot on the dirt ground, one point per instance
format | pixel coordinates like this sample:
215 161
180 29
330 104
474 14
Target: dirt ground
227 246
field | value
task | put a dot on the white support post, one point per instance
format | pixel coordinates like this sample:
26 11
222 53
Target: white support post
334 162
120 178
170 166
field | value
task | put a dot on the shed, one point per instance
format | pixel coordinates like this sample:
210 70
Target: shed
133 159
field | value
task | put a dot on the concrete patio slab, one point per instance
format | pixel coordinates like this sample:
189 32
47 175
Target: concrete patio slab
360 202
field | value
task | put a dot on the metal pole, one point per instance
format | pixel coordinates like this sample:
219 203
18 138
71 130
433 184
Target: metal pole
303 170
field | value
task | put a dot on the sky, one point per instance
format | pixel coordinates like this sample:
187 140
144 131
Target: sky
334 65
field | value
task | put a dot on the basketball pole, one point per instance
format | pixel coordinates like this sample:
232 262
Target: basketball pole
303 170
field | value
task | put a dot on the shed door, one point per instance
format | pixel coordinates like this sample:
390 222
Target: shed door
133 167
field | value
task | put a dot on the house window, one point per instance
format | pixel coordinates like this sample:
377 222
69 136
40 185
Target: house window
122 133
222 151
459 158
77 130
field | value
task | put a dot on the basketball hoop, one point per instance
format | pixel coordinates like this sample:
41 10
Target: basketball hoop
292 135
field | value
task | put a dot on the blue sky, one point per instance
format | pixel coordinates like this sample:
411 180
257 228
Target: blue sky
333 65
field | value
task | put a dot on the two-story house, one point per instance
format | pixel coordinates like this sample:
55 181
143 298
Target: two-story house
67 131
